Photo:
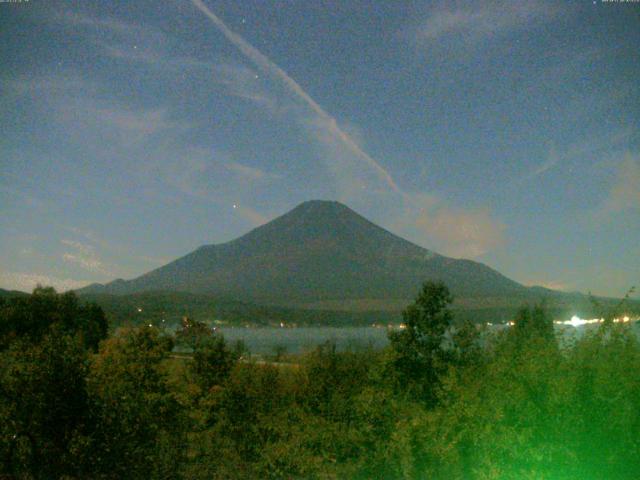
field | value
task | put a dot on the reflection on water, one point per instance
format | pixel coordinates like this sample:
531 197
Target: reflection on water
296 340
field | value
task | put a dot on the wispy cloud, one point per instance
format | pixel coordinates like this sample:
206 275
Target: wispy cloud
251 215
251 174
153 47
358 175
118 249
624 194
84 256
460 233
324 119
28 281
585 148
472 22
561 285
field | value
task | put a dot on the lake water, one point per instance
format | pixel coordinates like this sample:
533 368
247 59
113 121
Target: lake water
265 341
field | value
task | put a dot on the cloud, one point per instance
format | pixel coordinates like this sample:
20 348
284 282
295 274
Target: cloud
359 176
324 119
26 282
461 233
152 47
579 150
111 31
624 194
215 176
141 122
477 21
47 86
251 215
250 174
561 285
85 256
122 251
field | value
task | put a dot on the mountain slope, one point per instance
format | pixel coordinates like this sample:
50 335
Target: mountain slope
319 251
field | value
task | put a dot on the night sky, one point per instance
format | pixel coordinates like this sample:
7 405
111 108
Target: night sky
134 132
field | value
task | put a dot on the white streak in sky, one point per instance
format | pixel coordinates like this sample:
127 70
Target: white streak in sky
261 61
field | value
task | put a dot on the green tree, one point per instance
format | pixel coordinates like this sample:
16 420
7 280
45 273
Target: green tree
44 406
43 398
138 426
33 316
533 322
192 332
212 361
419 350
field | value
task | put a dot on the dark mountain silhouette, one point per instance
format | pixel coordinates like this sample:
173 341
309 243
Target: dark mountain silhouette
321 251
11 293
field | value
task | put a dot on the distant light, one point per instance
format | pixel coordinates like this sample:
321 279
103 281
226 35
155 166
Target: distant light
281 325
576 321
139 309
235 206
150 325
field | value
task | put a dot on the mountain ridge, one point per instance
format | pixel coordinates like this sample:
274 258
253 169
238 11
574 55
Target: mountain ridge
318 251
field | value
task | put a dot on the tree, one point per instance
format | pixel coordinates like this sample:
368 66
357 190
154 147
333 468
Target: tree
192 332
33 316
533 323
137 425
212 361
43 398
44 406
419 350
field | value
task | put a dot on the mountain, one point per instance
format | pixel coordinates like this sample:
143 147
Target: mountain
321 254
11 293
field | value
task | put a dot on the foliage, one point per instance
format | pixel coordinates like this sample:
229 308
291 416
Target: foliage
137 421
32 316
43 399
212 361
420 351
445 400
192 332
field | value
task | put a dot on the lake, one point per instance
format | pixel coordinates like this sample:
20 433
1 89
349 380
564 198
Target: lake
264 341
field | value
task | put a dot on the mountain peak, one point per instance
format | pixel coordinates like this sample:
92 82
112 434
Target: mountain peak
320 250
321 206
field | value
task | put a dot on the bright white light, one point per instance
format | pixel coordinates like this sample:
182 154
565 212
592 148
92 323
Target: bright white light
576 321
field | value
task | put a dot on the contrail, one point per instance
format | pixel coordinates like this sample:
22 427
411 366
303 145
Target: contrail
264 63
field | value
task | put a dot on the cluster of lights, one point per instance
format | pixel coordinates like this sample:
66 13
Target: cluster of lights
578 322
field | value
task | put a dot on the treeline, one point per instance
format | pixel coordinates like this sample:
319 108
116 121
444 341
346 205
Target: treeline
445 400
169 308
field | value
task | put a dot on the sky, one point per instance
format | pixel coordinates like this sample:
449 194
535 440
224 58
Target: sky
503 132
